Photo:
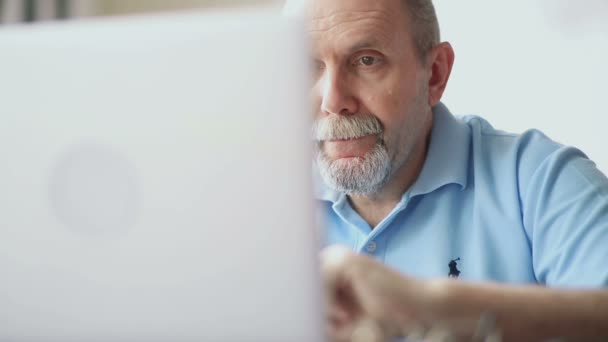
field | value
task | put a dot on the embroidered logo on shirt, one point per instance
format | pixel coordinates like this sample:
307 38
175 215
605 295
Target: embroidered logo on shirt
454 271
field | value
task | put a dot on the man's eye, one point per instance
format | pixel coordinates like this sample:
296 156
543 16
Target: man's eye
367 60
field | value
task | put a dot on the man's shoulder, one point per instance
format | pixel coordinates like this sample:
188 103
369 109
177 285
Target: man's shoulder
529 158
485 132
528 149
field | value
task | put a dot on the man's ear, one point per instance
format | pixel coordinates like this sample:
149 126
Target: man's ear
440 60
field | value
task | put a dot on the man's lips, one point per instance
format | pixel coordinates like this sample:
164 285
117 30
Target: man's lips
349 148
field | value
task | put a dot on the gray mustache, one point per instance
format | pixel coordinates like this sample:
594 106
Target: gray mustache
338 127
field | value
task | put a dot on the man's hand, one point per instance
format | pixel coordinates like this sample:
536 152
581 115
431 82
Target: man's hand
368 301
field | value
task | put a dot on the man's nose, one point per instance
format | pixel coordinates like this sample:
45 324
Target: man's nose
337 96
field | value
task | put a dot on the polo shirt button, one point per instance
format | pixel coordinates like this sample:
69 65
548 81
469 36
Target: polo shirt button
371 247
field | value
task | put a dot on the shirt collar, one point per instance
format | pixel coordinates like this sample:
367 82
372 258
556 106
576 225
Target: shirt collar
446 160
447 156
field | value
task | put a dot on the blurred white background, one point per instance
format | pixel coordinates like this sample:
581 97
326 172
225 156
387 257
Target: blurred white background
532 64
15 11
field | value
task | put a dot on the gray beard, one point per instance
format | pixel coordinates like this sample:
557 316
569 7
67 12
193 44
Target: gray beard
357 176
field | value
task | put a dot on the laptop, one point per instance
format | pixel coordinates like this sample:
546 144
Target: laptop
154 181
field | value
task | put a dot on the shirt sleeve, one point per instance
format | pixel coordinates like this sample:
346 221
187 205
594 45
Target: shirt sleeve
564 203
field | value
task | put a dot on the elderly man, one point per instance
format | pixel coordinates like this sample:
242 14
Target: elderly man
474 224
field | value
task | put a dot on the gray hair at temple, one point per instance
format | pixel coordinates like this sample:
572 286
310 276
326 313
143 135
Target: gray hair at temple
425 26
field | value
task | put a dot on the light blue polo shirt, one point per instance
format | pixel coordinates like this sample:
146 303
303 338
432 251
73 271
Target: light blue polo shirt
504 207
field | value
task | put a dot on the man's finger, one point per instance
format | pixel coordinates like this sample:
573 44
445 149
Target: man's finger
333 261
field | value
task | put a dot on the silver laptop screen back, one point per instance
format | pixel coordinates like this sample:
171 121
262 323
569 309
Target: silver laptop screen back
155 181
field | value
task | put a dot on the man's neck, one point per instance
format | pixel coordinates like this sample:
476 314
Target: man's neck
375 207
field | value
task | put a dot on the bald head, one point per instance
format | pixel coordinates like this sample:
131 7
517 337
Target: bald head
425 27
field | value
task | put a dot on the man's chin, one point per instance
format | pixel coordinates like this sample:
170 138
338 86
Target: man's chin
360 174
352 176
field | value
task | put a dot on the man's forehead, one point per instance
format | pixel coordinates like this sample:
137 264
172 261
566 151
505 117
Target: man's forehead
347 26
324 22
356 38
350 24
316 9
